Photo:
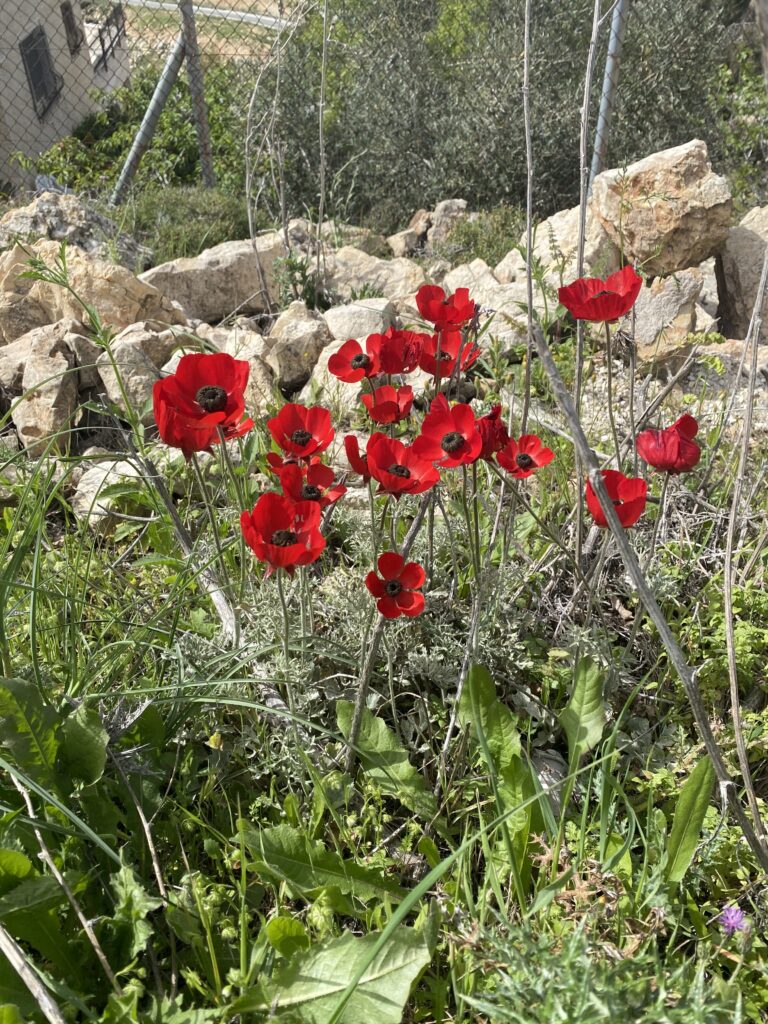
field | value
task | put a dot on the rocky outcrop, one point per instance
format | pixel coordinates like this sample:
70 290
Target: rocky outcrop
48 386
296 340
66 218
234 277
351 271
665 317
738 273
128 376
361 318
670 210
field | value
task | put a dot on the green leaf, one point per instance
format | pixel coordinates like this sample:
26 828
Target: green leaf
9 1014
491 719
583 717
28 728
287 935
689 817
385 761
288 855
133 906
15 867
310 988
83 746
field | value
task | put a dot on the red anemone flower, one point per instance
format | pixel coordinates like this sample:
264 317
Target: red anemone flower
283 533
396 351
449 436
493 433
276 462
203 397
358 460
398 468
351 364
452 347
310 483
302 432
628 495
442 310
523 457
388 404
598 300
673 449
396 590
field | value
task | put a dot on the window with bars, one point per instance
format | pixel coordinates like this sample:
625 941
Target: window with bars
44 84
75 37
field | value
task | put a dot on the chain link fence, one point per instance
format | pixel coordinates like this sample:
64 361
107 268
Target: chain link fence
368 109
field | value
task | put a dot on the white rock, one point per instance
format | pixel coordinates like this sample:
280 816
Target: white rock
297 338
445 217
665 317
137 375
49 390
478 277
18 315
90 505
739 269
361 318
350 270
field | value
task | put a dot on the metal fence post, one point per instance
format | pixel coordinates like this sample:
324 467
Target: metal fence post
149 122
197 92
610 83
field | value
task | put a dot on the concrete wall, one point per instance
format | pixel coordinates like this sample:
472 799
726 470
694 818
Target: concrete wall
21 129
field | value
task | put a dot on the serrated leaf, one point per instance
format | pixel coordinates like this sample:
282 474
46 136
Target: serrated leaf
385 761
493 722
690 809
133 906
310 988
28 728
583 717
83 746
288 855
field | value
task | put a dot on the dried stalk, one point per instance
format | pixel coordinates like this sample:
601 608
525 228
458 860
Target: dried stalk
16 957
528 216
685 672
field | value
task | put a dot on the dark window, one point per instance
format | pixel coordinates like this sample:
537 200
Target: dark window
44 84
75 36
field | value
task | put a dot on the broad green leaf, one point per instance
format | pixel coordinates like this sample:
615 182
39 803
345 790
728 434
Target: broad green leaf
9 1014
583 717
28 728
310 988
15 867
386 762
287 935
133 906
28 911
493 722
288 855
83 746
689 817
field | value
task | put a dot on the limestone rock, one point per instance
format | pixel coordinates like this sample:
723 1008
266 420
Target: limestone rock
338 235
738 273
49 389
325 389
665 317
138 375
19 314
555 245
421 222
350 270
63 217
88 503
672 209
119 297
478 277
153 338
297 338
86 354
404 243
230 277
445 217
361 318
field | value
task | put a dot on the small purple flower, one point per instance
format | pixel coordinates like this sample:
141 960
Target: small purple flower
733 919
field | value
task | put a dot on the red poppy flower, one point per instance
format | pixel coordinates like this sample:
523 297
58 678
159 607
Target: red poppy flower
205 395
493 433
388 404
351 364
300 431
398 468
283 533
673 449
523 457
310 483
628 495
591 298
358 460
275 462
449 436
452 347
396 590
396 351
442 310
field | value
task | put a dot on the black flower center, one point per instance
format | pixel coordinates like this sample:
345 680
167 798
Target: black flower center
211 398
393 587
444 356
524 460
360 362
311 493
284 538
301 437
397 470
452 442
